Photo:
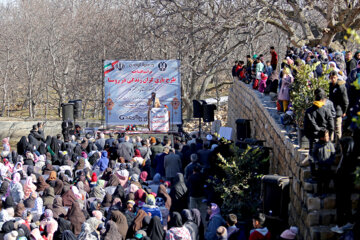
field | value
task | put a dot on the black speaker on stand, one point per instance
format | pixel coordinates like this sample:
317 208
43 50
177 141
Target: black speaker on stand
208 110
198 111
243 129
77 108
67 111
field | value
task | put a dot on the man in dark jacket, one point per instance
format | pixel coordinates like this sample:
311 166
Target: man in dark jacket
317 118
350 62
155 150
338 95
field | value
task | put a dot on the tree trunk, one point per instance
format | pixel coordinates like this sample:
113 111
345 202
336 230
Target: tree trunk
327 38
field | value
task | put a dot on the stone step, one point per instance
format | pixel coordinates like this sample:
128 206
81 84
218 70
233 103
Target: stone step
315 203
322 233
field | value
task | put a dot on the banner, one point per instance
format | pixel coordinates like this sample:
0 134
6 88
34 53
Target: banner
159 120
128 87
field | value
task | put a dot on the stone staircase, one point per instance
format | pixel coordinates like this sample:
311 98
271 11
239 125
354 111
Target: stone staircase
320 212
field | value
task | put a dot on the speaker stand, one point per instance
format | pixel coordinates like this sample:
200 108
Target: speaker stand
199 127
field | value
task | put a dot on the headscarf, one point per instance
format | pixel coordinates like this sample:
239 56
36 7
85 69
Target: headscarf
22 145
107 200
163 194
93 223
214 210
59 186
156 178
138 221
133 188
48 196
68 198
155 230
179 188
94 177
143 176
19 210
196 216
30 201
35 233
9 202
150 200
52 176
58 209
51 227
76 217
48 168
76 192
16 178
6 144
137 153
140 195
97 214
112 232
121 222
68 235
85 233
81 164
41 185
98 193
176 220
64 225
113 181
29 187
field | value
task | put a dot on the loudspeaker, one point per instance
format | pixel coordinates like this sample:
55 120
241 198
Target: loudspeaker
198 108
275 195
209 112
67 111
243 129
77 108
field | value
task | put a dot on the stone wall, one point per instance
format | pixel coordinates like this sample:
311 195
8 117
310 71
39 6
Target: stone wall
16 129
312 215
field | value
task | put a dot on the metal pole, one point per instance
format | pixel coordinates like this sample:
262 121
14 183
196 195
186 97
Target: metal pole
103 95
199 127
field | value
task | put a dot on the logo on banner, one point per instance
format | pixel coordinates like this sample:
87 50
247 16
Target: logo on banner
162 66
120 66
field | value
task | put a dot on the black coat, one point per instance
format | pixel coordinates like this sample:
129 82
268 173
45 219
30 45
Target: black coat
316 119
338 95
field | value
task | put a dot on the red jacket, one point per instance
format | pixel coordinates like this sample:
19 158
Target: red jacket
274 58
260 234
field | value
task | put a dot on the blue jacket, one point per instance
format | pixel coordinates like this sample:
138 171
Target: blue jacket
103 161
215 222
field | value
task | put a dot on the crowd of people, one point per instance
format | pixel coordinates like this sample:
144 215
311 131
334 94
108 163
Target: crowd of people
93 187
326 120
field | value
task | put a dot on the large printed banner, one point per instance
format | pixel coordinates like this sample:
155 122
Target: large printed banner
128 87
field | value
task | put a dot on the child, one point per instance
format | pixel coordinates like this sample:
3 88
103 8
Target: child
262 84
232 230
260 232
268 68
323 157
241 71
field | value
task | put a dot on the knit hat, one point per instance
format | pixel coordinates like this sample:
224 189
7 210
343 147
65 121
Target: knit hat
11 235
290 233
